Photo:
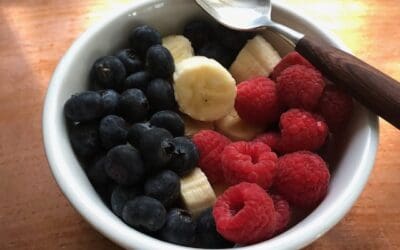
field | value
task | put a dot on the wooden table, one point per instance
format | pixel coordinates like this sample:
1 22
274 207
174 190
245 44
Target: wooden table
34 34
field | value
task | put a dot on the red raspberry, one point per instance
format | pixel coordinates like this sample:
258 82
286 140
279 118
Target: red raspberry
271 139
257 101
301 130
302 179
300 87
210 145
245 214
283 213
249 161
336 107
293 58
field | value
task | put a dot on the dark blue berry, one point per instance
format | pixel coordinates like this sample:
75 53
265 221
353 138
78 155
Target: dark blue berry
159 62
120 196
124 165
179 228
85 139
232 39
133 105
83 107
218 52
199 33
139 80
155 151
160 95
97 173
145 214
110 99
136 131
184 155
164 187
113 131
130 60
169 120
142 38
104 191
109 72
206 232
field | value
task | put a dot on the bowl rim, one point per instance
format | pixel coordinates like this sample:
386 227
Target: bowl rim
331 216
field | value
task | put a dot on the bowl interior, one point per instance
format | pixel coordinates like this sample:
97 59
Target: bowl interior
352 161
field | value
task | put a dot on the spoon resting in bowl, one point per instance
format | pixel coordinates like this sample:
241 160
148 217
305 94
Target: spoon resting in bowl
375 90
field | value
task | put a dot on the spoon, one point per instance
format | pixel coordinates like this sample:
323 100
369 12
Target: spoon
372 88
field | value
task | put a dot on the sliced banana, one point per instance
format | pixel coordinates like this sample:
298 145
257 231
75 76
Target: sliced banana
257 58
179 46
204 89
196 192
237 129
193 126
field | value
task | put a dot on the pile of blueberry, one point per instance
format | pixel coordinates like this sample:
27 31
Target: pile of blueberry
216 42
129 137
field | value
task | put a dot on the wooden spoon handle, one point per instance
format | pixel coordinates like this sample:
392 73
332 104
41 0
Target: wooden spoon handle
372 88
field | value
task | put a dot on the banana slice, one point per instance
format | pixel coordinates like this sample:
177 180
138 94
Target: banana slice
237 129
179 46
196 192
203 88
257 58
194 126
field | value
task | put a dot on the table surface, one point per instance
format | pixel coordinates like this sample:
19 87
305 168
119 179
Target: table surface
34 34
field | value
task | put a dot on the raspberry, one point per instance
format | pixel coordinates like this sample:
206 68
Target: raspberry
300 87
293 58
301 130
249 161
270 138
257 101
302 179
245 214
283 213
336 107
210 145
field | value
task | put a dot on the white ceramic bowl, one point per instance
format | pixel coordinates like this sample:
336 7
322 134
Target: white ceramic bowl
353 163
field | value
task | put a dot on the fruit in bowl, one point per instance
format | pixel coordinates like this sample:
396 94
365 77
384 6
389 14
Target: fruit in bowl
128 132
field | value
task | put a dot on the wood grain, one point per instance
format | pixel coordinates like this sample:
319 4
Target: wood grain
34 34
372 88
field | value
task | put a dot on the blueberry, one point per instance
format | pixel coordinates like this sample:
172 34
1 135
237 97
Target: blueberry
124 165
104 191
164 187
113 131
232 39
110 100
199 33
133 105
144 213
218 52
184 155
109 72
154 149
120 196
136 131
206 232
142 38
179 228
159 62
83 107
160 95
139 80
97 173
85 139
169 120
130 60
